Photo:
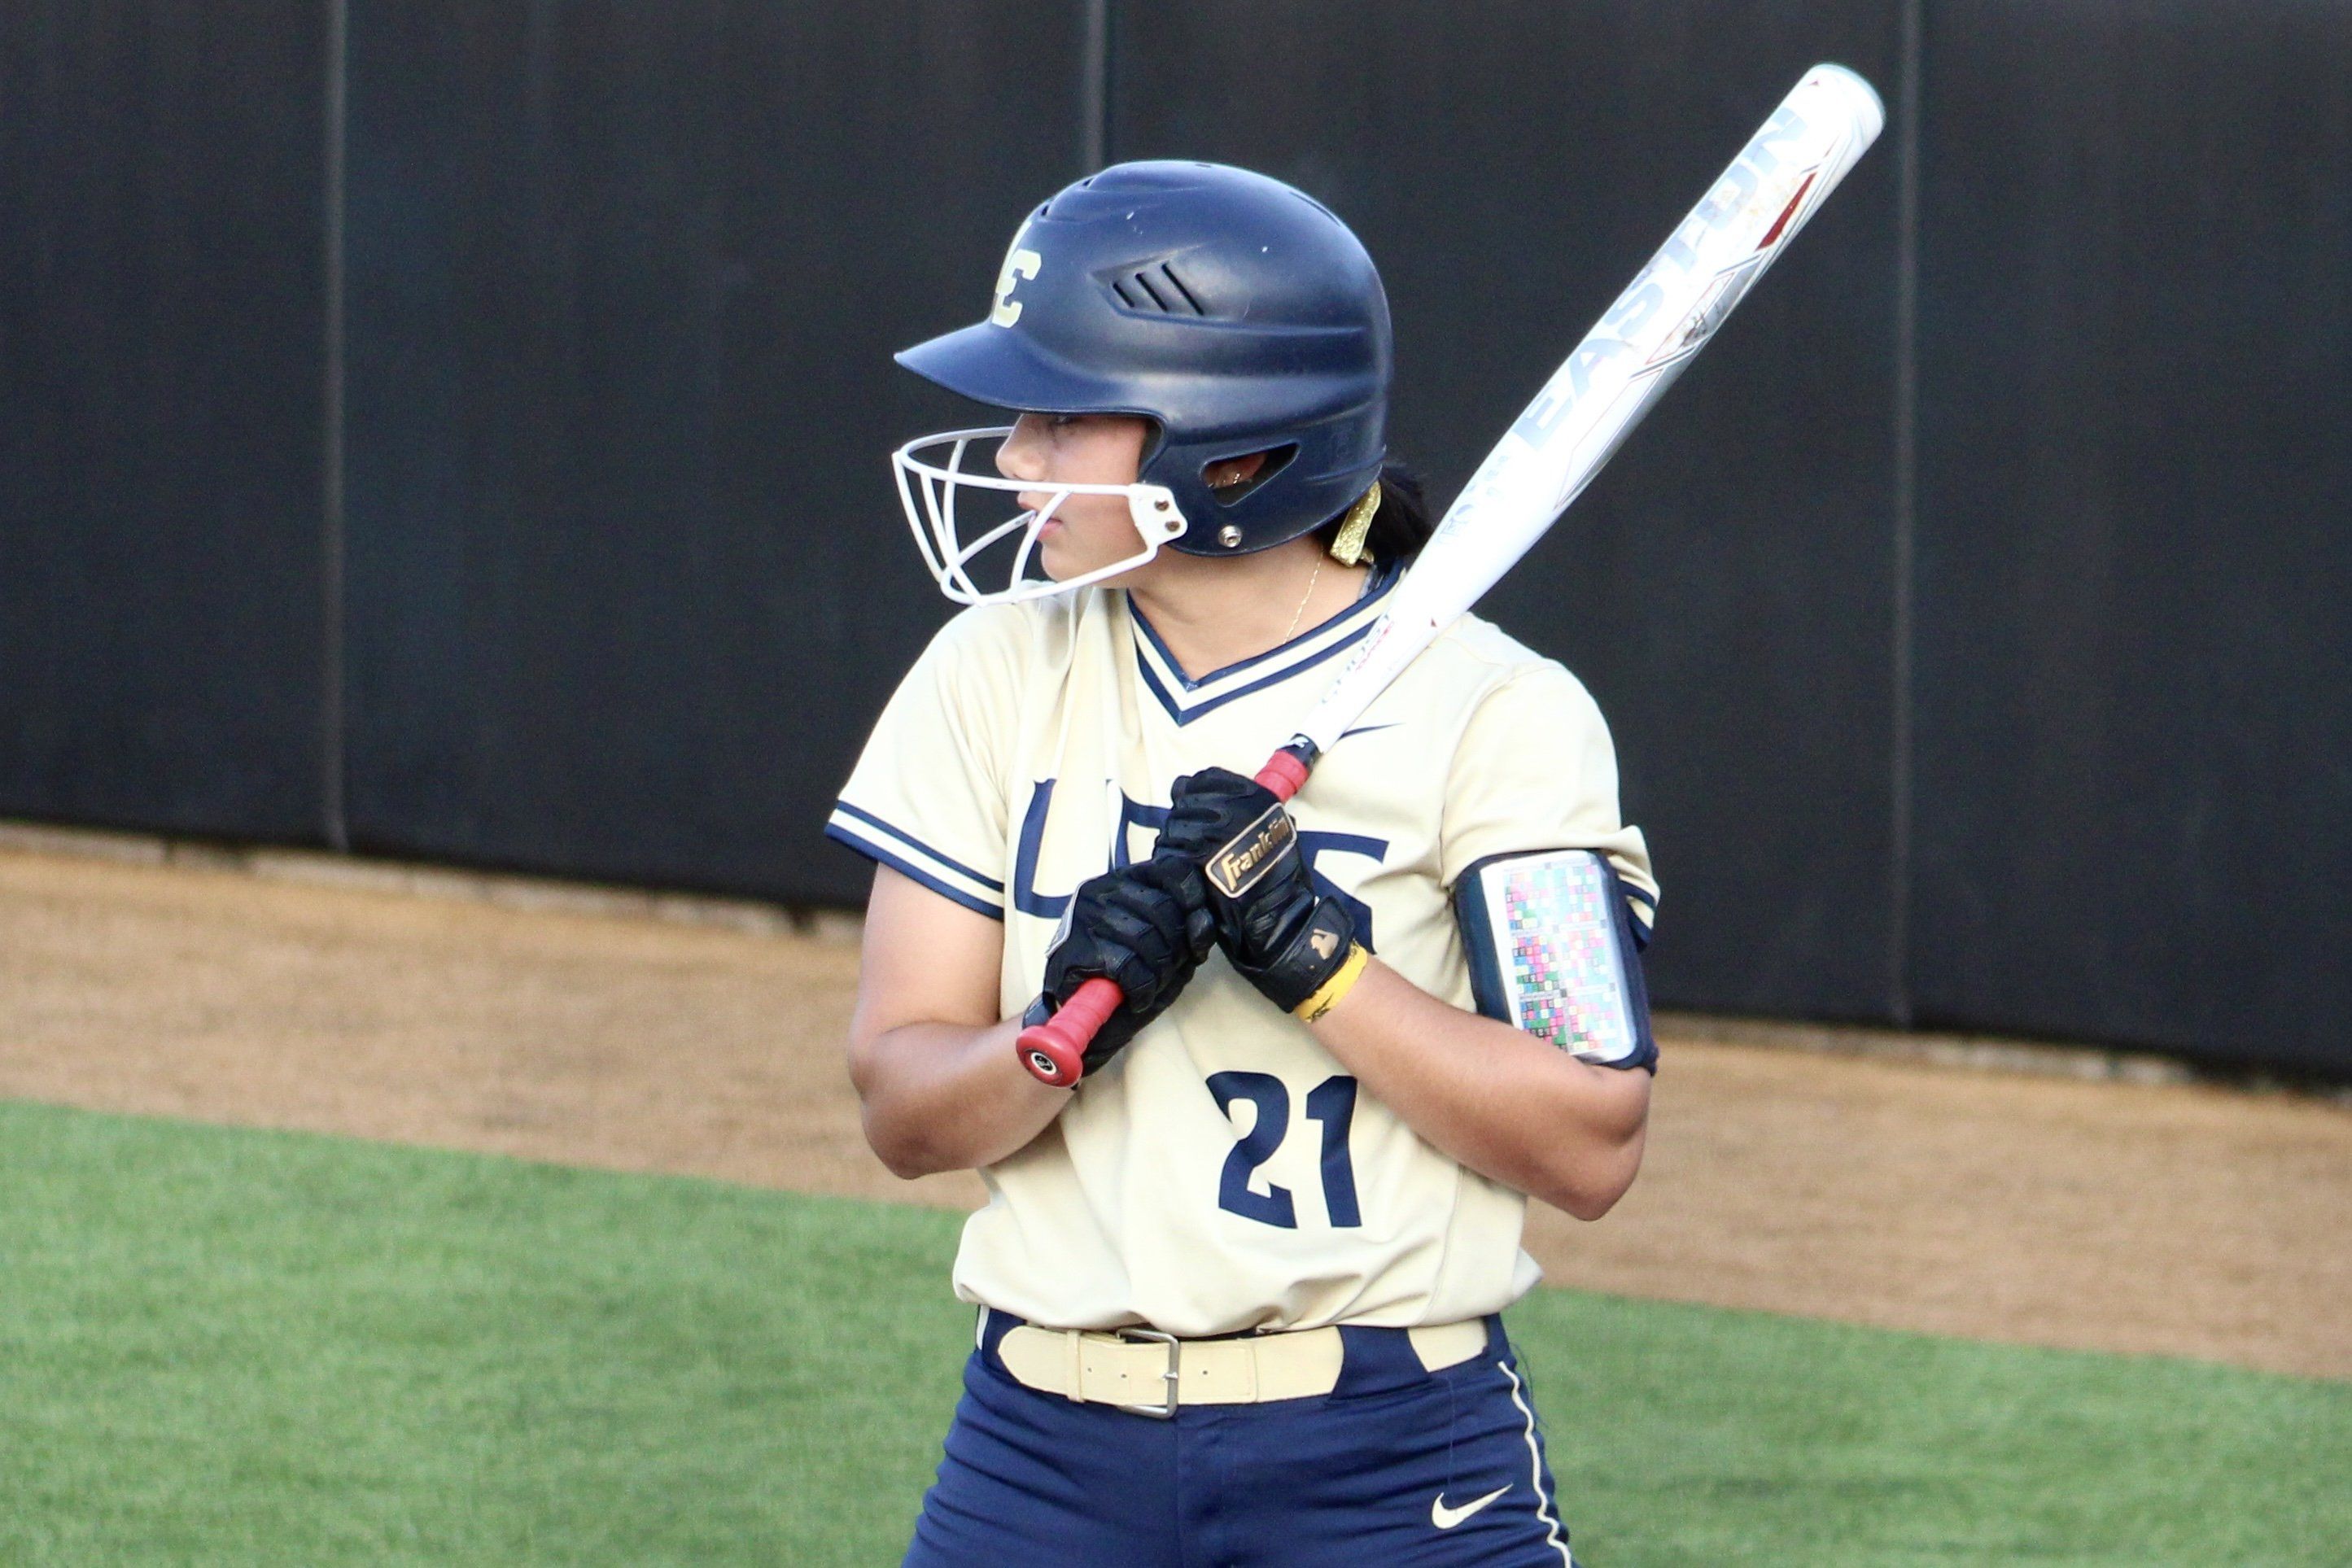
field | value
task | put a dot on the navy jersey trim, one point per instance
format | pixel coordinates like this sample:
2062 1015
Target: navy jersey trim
1184 716
905 867
1376 587
870 819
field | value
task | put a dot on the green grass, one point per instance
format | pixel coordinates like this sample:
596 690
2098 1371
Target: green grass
1695 1436
227 1346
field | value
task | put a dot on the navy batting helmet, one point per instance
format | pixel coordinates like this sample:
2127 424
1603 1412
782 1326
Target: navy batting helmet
1236 314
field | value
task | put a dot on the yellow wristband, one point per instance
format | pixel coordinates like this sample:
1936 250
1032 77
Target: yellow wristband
1343 980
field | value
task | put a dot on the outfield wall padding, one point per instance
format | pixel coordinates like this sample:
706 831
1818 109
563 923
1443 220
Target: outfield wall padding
629 580
2135 578
162 314
1969 618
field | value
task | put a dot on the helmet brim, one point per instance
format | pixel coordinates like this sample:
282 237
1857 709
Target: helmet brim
1004 369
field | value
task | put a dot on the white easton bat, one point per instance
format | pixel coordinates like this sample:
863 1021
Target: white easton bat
1574 427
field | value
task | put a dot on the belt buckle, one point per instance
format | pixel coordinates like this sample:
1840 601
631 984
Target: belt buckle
1157 1412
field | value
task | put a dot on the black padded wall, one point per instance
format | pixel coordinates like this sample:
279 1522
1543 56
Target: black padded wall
161 311
629 580
1724 588
627 583
2134 690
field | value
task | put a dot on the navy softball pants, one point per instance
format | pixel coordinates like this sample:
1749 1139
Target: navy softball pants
1395 1465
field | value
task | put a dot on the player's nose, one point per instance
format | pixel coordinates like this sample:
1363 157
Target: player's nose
1020 455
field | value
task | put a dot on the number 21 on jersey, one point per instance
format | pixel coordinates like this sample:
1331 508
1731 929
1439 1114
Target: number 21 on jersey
1332 1104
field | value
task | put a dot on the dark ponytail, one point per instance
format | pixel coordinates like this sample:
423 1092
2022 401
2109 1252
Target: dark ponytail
1402 525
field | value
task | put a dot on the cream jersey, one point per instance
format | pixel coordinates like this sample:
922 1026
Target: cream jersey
1223 1174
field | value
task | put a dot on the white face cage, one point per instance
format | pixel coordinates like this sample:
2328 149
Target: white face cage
928 484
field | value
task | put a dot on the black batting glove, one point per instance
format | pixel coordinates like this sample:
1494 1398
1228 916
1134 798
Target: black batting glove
1285 935
1145 927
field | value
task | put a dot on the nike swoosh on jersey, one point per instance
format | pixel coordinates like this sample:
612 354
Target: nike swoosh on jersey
1447 1518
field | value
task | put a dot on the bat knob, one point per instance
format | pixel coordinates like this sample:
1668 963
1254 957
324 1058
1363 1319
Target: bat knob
1055 1052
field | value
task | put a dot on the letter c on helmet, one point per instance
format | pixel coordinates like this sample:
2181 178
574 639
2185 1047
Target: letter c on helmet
1018 264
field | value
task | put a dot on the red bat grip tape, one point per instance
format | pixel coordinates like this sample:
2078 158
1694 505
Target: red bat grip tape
1284 772
1055 1052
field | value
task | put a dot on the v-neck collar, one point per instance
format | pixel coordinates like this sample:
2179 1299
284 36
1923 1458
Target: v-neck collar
1187 699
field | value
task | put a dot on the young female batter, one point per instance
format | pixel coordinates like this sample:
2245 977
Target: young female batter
1239 1288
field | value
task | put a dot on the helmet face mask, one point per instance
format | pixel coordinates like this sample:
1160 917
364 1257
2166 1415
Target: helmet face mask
934 473
1236 314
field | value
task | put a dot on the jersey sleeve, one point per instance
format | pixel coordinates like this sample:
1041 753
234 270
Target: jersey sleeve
927 797
1535 770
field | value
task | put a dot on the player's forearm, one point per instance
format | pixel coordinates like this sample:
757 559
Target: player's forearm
942 1097
1509 1106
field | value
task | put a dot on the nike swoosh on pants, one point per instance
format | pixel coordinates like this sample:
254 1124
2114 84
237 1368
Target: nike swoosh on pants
1447 1518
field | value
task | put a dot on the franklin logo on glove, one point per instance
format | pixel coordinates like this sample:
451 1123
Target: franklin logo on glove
1236 868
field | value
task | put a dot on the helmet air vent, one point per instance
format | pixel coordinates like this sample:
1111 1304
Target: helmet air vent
1155 291
1186 295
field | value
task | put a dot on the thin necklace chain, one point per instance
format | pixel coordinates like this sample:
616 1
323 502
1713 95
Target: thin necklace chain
1304 598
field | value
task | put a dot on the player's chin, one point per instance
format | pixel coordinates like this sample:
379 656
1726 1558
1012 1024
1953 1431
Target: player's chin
1065 558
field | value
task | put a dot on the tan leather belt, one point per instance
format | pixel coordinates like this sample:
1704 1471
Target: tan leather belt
1153 1373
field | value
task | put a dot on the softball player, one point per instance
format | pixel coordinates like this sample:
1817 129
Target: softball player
1238 1291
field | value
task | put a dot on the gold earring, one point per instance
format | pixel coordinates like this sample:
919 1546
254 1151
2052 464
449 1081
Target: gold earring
1347 545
